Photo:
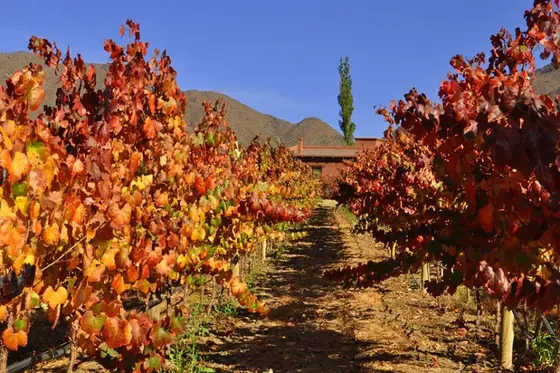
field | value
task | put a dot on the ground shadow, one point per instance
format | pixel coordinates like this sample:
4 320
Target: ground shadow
42 338
298 348
295 339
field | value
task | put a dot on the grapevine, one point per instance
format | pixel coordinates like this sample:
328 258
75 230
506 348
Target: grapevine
471 182
105 197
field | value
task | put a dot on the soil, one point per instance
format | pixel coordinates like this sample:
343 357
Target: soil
317 326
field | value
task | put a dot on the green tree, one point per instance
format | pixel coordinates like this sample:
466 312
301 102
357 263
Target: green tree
346 102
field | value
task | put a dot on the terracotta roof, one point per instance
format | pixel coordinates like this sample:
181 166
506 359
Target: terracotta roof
330 151
308 151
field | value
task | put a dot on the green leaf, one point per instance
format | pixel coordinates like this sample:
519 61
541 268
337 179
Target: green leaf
155 362
92 324
36 149
211 250
107 352
160 336
35 300
98 307
71 283
216 221
191 280
210 138
19 190
222 206
198 140
177 324
20 324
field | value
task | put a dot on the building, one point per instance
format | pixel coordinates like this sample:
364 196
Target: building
326 161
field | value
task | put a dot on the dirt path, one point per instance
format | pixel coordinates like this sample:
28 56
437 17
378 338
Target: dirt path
315 326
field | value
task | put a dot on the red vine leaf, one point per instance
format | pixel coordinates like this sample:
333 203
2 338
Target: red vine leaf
91 323
117 332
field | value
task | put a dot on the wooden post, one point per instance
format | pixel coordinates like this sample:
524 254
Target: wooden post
3 359
235 269
212 295
264 247
526 320
497 323
424 276
186 294
242 266
201 300
73 348
478 308
506 339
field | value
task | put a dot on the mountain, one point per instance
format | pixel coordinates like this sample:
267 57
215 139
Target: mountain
548 80
245 121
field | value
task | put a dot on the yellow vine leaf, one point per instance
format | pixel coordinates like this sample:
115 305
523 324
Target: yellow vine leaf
193 214
22 203
181 261
64 234
20 166
23 259
94 271
55 298
6 211
4 314
198 234
142 182
6 139
49 171
51 234
14 239
108 258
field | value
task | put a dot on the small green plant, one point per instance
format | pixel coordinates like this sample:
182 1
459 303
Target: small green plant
184 355
345 211
227 308
251 281
278 251
544 349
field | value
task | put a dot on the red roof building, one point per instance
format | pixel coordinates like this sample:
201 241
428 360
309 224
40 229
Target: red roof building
326 161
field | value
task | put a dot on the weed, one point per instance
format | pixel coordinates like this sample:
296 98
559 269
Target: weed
278 251
251 281
184 355
544 349
345 211
228 308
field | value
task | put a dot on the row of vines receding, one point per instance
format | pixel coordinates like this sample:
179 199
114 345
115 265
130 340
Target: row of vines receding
106 202
472 182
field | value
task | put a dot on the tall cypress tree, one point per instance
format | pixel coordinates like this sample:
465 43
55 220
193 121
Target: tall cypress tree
346 102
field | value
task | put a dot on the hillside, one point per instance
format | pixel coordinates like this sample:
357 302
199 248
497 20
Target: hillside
245 121
548 80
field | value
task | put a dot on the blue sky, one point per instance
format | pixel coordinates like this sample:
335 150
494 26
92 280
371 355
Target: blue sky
281 57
